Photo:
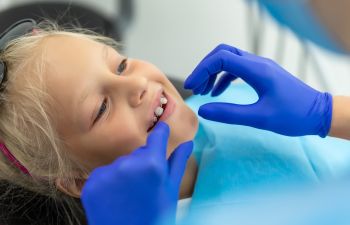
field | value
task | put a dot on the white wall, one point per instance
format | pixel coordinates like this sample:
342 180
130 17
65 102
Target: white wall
176 34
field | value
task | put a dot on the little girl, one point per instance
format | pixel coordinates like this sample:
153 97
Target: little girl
72 102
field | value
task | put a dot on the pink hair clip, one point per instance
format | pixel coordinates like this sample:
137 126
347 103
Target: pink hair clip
13 159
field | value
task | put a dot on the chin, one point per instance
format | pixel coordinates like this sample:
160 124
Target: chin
183 128
192 124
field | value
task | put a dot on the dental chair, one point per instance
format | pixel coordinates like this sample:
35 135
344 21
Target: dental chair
64 14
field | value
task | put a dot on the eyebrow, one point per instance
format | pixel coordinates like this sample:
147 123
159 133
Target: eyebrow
86 92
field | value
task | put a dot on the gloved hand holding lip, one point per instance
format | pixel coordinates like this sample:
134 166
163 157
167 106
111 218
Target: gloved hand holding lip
286 105
144 185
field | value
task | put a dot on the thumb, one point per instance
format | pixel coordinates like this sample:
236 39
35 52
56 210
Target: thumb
178 161
231 113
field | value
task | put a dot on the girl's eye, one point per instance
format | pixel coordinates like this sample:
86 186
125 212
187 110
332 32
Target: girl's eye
122 66
101 110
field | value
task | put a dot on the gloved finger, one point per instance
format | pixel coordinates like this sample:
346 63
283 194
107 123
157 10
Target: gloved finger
215 50
224 81
247 115
210 84
200 88
207 84
178 160
158 139
245 68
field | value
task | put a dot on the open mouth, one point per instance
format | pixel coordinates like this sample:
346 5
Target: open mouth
159 111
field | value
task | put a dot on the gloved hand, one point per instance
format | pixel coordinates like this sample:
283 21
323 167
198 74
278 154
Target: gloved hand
139 188
286 105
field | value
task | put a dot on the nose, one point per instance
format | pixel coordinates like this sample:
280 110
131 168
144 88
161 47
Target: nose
135 88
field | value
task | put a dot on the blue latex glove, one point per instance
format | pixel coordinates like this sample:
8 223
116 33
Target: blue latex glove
139 188
286 105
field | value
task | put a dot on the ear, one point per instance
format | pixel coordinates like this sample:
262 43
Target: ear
71 187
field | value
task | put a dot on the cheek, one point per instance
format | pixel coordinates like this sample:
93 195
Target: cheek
124 137
116 138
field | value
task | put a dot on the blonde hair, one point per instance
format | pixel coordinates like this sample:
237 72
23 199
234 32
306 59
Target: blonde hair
26 127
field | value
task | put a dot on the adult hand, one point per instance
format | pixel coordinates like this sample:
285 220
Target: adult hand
286 105
139 188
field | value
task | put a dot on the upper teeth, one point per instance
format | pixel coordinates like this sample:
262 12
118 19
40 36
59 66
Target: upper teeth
159 110
163 100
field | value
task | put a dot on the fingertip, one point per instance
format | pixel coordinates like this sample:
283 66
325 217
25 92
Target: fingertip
161 125
207 90
185 149
188 145
204 93
194 92
161 128
159 135
198 90
202 110
188 82
207 112
215 92
219 89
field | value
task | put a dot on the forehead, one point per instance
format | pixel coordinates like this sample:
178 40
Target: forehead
71 60
70 50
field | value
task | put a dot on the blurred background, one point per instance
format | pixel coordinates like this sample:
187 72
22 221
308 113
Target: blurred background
176 35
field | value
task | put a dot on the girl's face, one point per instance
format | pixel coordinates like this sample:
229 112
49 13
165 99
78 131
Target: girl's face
104 103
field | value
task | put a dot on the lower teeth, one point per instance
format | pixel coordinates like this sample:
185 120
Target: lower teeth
159 111
158 114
